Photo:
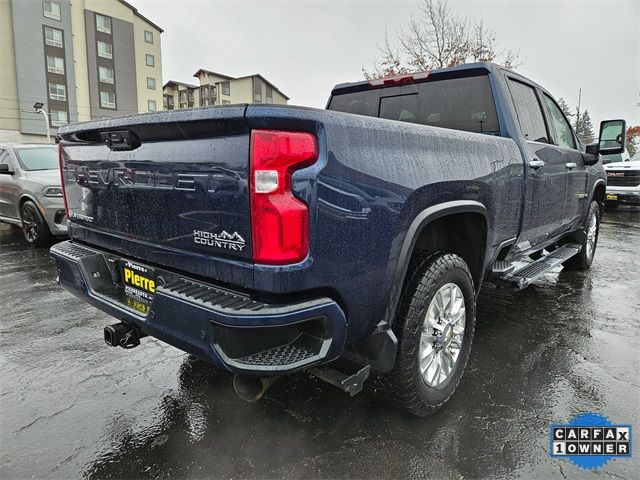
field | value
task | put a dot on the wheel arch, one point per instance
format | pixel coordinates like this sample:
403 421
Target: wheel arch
469 216
598 193
24 199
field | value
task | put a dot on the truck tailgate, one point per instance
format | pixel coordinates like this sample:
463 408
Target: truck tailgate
180 185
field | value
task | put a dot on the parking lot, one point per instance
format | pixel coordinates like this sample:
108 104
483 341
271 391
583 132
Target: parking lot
72 407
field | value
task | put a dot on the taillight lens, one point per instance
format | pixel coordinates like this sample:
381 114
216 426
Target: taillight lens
279 221
64 193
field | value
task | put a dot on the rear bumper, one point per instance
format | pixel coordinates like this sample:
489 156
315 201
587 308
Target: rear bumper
226 327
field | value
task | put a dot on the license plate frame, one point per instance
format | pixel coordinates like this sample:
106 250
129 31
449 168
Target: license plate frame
137 280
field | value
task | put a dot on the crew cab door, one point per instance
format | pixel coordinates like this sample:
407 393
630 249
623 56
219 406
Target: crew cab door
577 198
545 171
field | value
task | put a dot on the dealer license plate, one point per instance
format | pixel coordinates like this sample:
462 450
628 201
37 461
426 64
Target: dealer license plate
138 281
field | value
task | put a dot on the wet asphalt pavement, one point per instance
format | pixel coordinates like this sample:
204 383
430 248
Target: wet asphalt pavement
72 407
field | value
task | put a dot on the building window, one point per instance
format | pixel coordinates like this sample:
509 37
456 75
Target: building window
226 88
148 36
257 89
51 9
106 74
151 105
151 83
103 24
226 102
151 61
107 100
58 117
53 37
105 50
167 100
269 93
57 91
207 95
55 64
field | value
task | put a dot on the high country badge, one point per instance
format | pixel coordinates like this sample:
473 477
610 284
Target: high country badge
224 239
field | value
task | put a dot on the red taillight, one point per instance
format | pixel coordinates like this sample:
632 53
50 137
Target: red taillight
64 193
279 221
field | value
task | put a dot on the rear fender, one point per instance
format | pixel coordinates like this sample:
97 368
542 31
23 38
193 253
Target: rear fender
422 220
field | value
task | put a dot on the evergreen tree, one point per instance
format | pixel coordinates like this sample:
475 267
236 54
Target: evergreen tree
565 109
584 127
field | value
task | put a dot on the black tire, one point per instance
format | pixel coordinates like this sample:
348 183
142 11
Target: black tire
34 227
584 259
405 385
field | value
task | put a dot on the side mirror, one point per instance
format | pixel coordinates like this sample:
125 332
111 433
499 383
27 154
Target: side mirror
612 137
4 169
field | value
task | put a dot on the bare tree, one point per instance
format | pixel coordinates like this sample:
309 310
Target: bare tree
390 62
438 38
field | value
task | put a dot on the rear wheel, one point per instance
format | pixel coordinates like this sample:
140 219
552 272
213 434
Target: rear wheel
584 259
434 325
34 227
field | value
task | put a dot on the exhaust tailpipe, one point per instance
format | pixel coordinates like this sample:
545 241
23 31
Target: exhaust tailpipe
251 389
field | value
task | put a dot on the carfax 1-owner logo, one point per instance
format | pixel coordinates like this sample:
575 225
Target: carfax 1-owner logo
590 440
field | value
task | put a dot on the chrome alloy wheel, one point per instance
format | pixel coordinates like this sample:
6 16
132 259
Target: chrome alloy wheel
442 335
592 233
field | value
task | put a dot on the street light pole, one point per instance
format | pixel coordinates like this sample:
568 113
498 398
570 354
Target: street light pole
38 106
46 119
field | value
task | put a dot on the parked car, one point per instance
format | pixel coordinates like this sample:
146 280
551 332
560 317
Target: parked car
31 192
272 239
623 182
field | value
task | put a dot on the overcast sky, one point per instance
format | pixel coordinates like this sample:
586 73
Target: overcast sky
305 47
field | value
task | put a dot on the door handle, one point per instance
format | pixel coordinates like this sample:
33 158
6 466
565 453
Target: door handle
536 164
571 165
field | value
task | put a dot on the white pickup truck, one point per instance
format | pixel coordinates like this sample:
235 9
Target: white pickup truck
623 181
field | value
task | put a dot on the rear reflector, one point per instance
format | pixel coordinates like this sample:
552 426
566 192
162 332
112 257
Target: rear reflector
279 220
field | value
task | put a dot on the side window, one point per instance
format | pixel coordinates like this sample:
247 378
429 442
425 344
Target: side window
564 135
529 112
5 158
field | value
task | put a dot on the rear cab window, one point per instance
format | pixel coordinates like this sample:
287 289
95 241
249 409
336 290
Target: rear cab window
464 103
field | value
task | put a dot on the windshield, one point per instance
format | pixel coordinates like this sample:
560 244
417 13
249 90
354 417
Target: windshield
612 158
40 158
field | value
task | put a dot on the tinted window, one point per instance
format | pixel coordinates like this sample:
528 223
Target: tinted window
400 107
564 135
529 112
360 103
457 103
41 158
4 157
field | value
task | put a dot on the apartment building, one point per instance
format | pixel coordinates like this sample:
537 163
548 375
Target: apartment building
218 89
80 59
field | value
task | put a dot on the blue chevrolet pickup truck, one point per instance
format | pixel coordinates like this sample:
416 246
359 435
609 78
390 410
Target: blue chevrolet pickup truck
349 242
